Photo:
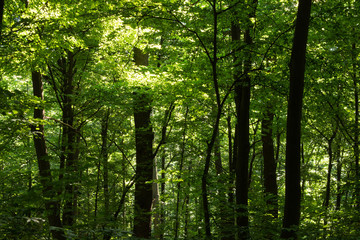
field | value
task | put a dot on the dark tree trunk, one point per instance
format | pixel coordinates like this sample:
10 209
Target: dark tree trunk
104 159
221 192
230 162
242 95
52 205
356 124
2 3
227 232
69 144
270 184
162 192
210 145
182 158
144 156
236 37
338 179
242 162
97 189
292 163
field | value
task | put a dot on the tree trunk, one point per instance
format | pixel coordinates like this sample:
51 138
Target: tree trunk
144 156
227 232
52 205
69 144
338 178
182 158
2 3
210 145
356 124
242 162
156 204
242 95
162 192
292 163
328 179
104 159
270 184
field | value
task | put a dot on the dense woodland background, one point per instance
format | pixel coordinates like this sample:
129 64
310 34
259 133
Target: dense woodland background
179 119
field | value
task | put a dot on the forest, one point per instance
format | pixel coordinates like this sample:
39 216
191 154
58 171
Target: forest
179 119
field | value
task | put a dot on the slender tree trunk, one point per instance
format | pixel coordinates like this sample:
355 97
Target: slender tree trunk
242 93
97 189
338 179
104 158
144 156
204 180
292 163
242 163
182 158
221 192
162 193
156 206
356 124
270 184
52 205
236 37
328 179
2 3
69 144
229 220
252 160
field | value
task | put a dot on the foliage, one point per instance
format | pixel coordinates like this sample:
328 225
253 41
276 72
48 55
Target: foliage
179 38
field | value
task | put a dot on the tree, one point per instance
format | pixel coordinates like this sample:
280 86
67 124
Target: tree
293 130
111 126
144 156
270 182
2 3
52 205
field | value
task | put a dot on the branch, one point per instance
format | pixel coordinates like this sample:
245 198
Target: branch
196 34
122 151
53 83
167 118
123 195
69 126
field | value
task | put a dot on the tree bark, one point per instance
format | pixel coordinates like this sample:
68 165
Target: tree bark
242 95
182 158
162 192
210 145
2 3
338 178
270 184
104 159
356 124
227 233
69 144
52 205
144 156
292 163
328 179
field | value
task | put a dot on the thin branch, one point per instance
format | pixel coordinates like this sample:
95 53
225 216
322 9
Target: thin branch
167 118
196 34
53 83
122 151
